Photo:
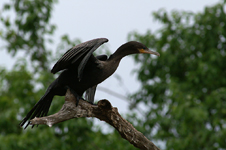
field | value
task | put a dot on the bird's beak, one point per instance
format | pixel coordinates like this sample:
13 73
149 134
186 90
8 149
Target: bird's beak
147 51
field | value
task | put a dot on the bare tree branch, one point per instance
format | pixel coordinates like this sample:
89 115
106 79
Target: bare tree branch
103 111
110 92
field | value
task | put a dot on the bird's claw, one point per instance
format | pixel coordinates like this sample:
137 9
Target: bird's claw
78 97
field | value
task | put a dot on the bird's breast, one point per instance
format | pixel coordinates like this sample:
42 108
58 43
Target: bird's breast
99 72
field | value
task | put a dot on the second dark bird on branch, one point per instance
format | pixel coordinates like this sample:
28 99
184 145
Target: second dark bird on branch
82 71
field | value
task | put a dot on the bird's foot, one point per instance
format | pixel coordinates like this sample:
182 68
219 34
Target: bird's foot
78 97
90 102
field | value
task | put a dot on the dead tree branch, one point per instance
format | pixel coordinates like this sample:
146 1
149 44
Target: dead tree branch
103 111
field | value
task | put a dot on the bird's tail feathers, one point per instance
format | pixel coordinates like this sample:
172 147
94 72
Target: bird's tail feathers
40 109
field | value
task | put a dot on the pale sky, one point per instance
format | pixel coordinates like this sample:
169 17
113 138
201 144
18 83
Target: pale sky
112 19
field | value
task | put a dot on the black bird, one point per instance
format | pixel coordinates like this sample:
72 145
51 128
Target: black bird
82 72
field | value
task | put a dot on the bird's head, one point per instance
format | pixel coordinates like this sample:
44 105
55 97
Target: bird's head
134 47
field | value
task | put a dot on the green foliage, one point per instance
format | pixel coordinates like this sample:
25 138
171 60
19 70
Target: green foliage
185 88
30 30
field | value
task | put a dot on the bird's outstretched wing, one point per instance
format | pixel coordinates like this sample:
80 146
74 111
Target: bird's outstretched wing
80 52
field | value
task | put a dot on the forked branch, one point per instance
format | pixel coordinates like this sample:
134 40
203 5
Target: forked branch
103 111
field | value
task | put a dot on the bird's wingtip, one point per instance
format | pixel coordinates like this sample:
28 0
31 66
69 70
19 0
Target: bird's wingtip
103 39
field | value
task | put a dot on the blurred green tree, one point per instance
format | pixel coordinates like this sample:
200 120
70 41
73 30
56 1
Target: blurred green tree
184 90
30 30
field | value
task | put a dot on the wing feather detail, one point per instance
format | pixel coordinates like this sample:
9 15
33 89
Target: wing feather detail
78 54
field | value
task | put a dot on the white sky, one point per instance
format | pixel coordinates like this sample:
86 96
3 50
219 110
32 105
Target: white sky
113 19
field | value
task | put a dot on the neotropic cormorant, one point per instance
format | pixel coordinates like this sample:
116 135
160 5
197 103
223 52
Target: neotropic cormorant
82 72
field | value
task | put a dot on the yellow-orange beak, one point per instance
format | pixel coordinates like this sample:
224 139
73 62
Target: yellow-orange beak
148 52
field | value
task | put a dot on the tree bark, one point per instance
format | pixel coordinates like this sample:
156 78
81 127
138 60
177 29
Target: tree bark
103 111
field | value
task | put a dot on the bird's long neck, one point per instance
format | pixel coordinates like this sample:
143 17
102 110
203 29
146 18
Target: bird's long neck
119 53
112 63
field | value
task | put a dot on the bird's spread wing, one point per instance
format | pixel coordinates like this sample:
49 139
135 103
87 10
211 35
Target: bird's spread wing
80 52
